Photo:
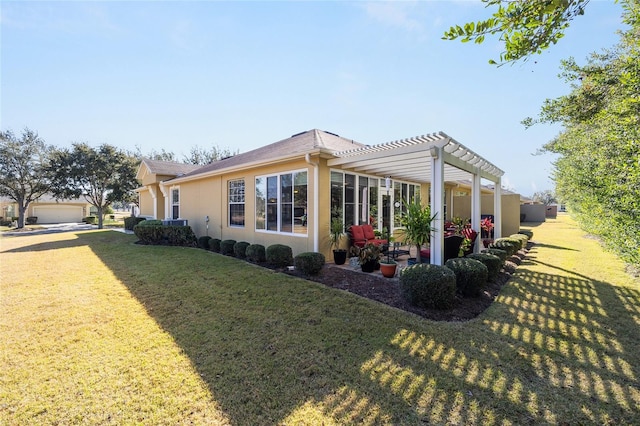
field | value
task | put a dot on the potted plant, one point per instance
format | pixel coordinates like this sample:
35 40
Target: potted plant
417 223
368 257
337 232
388 265
487 226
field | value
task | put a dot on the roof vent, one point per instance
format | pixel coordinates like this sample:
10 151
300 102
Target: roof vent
298 134
331 133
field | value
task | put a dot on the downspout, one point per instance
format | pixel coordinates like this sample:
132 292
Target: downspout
316 200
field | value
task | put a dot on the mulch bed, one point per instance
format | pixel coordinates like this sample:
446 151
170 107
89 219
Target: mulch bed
374 286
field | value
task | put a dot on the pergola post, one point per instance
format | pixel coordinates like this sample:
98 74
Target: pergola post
497 209
476 206
437 205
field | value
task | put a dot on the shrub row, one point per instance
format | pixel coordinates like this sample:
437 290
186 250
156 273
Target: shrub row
434 286
278 255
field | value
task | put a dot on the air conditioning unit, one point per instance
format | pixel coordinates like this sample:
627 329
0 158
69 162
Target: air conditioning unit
175 222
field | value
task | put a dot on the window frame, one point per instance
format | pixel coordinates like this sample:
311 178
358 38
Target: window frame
231 202
265 204
173 204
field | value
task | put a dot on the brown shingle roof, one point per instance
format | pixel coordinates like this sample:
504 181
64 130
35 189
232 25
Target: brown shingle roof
169 168
301 143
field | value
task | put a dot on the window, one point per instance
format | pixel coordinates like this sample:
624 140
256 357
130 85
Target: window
358 198
236 202
281 203
175 203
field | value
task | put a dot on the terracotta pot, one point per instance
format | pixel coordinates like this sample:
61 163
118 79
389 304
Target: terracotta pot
388 269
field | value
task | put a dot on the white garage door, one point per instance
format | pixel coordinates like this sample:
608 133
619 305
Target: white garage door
58 214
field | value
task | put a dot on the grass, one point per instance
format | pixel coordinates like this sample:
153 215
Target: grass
107 332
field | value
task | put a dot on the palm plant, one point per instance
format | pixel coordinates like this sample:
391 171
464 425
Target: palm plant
417 220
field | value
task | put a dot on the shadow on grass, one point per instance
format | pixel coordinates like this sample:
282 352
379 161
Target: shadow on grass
276 349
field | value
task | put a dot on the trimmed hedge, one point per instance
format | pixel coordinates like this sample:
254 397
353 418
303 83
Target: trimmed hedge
203 242
309 263
226 247
214 244
471 275
240 249
90 220
428 286
527 232
522 238
491 261
279 255
131 221
510 246
165 235
497 252
256 253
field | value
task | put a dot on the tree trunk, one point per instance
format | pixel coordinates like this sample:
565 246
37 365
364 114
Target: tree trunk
100 216
21 211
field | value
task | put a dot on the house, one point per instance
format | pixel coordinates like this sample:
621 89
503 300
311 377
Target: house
49 210
286 192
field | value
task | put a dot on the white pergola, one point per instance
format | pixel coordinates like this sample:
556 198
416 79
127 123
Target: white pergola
434 159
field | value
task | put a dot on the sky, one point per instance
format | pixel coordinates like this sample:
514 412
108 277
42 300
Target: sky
171 75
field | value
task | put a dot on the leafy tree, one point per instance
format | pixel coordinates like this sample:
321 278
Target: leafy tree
102 176
545 197
597 173
203 156
154 155
24 172
524 26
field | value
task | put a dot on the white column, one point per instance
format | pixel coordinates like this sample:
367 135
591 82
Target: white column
437 205
476 206
165 193
497 209
154 197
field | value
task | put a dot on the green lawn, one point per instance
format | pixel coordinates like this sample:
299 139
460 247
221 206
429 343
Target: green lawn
97 330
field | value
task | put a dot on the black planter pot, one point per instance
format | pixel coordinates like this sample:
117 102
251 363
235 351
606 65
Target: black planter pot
369 266
339 257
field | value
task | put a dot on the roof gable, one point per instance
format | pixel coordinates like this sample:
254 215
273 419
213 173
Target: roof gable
164 168
298 144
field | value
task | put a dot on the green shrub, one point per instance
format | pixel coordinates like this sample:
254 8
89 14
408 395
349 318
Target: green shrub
31 220
203 242
428 286
149 234
5 222
240 249
522 238
226 247
180 236
154 233
516 241
309 263
471 275
497 252
491 261
150 222
527 232
256 253
214 245
279 255
130 222
91 220
510 246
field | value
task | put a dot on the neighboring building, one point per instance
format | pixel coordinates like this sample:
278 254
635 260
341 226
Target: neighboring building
286 192
49 210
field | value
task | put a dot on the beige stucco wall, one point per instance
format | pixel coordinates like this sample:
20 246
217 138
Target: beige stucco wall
208 197
146 203
510 210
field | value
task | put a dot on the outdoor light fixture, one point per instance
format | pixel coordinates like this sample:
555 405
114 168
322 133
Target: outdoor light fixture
387 183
